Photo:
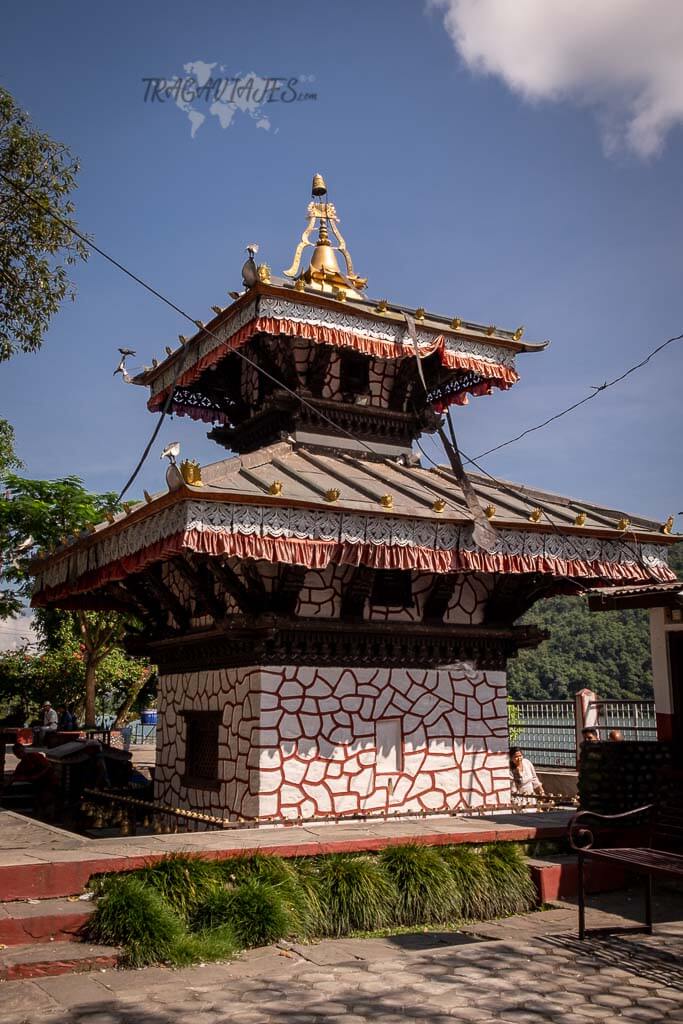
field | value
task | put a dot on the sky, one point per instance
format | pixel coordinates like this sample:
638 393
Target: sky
506 168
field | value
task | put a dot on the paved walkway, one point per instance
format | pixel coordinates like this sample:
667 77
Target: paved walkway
526 970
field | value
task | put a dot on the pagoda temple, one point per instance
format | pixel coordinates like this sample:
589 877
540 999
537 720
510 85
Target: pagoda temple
330 630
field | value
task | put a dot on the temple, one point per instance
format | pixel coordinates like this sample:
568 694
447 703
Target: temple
331 633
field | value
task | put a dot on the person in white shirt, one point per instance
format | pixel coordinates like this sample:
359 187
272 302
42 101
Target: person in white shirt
48 723
525 781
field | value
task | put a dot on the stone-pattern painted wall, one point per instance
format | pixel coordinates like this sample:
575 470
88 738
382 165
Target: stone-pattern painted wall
298 741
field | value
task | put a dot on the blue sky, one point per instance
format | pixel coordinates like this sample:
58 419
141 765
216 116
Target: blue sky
455 193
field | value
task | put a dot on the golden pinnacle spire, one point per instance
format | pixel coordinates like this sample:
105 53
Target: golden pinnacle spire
323 272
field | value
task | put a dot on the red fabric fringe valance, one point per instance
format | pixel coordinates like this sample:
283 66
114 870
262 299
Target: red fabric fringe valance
495 373
318 554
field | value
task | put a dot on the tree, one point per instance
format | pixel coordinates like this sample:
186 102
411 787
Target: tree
609 652
38 514
37 177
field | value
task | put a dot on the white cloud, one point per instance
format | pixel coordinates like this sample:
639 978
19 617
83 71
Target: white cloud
622 57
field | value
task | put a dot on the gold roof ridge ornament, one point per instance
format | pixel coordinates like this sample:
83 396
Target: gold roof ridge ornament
323 272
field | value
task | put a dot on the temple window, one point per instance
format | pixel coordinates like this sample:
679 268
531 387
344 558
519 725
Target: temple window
392 588
201 749
354 373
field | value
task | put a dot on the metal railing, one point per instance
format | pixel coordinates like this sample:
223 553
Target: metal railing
636 719
545 730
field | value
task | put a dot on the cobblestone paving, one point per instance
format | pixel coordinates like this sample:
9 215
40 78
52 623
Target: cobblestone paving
527 970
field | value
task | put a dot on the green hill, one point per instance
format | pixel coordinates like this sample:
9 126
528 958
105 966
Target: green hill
609 652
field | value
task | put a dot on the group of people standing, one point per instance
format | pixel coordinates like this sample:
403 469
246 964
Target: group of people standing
526 783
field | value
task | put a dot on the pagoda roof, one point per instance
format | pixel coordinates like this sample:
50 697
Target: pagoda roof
640 595
291 504
373 326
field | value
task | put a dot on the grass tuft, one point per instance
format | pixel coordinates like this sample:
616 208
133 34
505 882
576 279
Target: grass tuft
265 866
182 880
355 894
203 947
427 893
509 879
258 912
476 901
131 915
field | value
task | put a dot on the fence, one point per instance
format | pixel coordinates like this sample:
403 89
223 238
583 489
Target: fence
546 731
636 719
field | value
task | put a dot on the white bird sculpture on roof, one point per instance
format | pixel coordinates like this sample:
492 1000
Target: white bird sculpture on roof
171 452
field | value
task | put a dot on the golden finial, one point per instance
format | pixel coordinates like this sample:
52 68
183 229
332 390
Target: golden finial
381 306
535 515
668 526
110 517
200 324
168 350
148 497
456 323
323 272
332 494
518 333
182 339
490 511
191 472
386 501
580 519
300 285
263 273
623 524
155 362
276 487
420 313
491 329
439 505
217 309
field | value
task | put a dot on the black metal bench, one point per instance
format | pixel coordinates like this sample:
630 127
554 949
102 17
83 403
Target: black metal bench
660 857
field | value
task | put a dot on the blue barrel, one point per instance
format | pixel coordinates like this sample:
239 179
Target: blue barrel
149 716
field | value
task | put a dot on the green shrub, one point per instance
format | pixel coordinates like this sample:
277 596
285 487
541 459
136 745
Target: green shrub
183 880
131 915
509 879
427 893
475 900
355 894
258 912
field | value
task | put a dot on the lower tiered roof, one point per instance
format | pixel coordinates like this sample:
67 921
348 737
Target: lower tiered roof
297 505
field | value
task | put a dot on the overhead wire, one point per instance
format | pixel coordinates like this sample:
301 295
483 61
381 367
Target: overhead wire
597 390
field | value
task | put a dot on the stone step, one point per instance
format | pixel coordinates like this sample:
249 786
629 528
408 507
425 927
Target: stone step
42 960
556 877
43 920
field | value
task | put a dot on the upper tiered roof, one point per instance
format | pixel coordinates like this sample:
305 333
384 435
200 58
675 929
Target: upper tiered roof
323 345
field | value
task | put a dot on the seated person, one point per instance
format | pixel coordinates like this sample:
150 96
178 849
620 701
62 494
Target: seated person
616 736
525 781
48 723
590 734
67 719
